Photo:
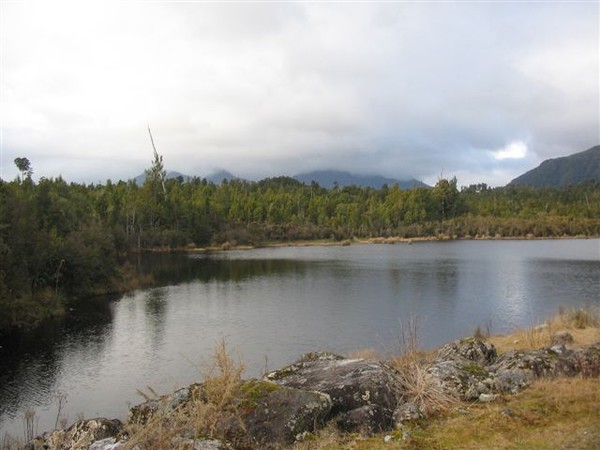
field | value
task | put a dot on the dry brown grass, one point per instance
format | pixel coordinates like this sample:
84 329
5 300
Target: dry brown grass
369 354
210 404
582 324
552 414
418 386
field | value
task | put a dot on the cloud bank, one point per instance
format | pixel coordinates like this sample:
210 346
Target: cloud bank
483 91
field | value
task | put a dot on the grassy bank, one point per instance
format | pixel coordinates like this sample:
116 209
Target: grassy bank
560 413
551 414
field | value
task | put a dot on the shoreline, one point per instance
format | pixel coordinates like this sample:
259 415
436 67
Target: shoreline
476 359
226 246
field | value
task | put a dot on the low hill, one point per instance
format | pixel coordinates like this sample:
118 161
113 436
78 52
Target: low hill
327 178
578 168
139 180
221 175
216 177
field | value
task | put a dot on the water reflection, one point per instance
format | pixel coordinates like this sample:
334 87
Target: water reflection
155 305
31 363
170 269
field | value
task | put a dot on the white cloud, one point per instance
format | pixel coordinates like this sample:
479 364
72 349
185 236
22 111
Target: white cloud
514 150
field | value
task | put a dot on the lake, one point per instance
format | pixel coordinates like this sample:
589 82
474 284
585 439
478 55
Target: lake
273 305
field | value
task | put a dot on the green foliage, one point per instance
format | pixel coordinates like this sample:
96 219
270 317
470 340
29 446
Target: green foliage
61 240
24 167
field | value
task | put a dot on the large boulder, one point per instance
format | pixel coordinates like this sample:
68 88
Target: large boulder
367 420
351 383
271 415
261 415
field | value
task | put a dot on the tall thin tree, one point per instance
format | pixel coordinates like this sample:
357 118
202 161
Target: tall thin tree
157 166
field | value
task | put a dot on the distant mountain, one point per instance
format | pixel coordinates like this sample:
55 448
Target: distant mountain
574 169
139 180
216 177
327 178
221 175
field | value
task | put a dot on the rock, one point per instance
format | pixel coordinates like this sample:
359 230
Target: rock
407 412
588 360
562 338
107 444
80 436
487 398
141 413
367 420
516 370
199 444
511 381
546 362
351 383
462 378
263 414
273 416
471 349
461 368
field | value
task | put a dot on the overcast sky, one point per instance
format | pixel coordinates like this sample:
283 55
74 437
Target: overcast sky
478 90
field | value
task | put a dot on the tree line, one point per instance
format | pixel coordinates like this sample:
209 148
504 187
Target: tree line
61 241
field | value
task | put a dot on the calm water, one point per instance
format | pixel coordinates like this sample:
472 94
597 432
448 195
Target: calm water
272 305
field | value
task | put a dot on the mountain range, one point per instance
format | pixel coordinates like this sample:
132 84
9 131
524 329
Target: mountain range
328 178
578 168
325 178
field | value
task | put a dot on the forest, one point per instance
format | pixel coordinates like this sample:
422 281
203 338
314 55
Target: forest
64 242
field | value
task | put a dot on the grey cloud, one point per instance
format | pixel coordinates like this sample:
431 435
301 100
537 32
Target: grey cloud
403 89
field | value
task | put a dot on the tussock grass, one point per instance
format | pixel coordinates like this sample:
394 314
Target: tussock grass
421 388
212 402
418 386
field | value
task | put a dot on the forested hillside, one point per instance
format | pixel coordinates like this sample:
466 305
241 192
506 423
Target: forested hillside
582 167
61 241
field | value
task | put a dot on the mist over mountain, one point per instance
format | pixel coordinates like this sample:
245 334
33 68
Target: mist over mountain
171 174
327 179
578 168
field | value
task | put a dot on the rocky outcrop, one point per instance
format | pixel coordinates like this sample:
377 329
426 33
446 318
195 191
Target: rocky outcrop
82 435
552 361
351 383
354 394
471 370
262 415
